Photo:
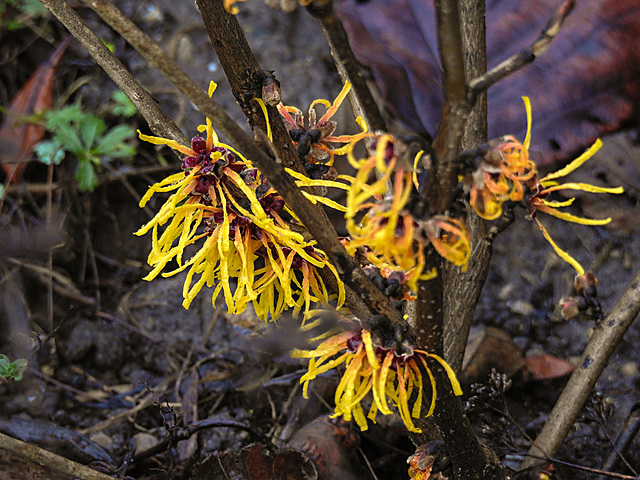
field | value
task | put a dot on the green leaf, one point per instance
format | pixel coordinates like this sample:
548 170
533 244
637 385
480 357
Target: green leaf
90 129
68 137
50 152
123 105
12 370
112 144
33 8
86 176
64 117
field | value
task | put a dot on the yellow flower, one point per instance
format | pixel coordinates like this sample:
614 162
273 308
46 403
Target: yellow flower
246 248
390 370
537 201
387 233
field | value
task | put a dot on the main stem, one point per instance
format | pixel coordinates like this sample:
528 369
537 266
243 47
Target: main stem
460 37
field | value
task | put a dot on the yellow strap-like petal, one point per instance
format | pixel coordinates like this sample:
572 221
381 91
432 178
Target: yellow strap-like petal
561 253
455 385
590 152
527 107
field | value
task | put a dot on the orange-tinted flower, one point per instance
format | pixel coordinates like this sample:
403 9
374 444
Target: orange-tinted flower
315 141
506 171
503 173
420 464
451 238
389 370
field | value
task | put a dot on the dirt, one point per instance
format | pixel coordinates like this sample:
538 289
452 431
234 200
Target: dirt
118 341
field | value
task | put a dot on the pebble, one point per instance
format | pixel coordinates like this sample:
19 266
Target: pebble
629 369
521 307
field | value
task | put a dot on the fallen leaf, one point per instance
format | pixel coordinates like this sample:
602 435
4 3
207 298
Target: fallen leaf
548 367
584 86
18 137
490 349
257 462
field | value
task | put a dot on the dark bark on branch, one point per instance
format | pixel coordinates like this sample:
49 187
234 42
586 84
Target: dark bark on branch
361 99
245 76
158 121
462 289
470 460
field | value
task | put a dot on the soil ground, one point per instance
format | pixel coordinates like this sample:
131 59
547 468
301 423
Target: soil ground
126 362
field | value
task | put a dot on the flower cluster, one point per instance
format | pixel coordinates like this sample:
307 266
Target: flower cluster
388 235
391 369
243 229
506 173
537 201
503 173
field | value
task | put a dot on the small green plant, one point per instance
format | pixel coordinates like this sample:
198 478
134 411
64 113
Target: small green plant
123 106
12 370
85 136
26 8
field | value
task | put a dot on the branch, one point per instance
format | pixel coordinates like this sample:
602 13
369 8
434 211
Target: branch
462 289
245 76
158 121
244 73
602 343
524 56
360 97
49 460
157 58
469 459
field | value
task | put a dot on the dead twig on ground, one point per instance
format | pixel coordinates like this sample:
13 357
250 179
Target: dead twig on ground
54 462
595 357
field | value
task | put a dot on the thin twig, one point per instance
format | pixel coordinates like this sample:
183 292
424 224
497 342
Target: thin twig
158 59
602 343
583 468
360 97
158 121
524 56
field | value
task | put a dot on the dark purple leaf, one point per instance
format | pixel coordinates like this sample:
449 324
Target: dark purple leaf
585 85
